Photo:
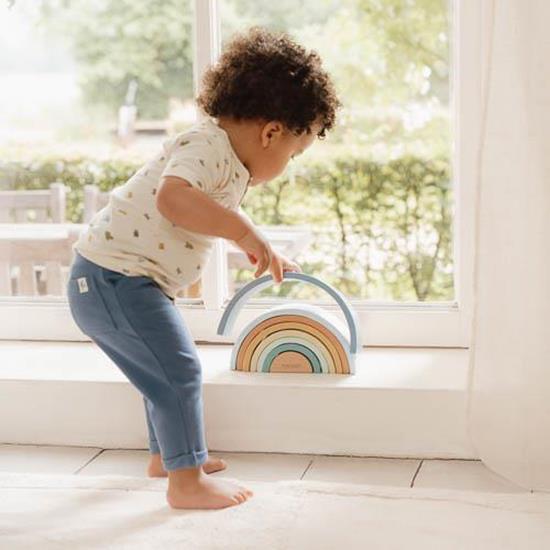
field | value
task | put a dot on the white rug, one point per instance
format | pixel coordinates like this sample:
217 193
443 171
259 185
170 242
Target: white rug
111 512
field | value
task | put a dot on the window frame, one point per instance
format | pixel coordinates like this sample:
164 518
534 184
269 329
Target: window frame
412 324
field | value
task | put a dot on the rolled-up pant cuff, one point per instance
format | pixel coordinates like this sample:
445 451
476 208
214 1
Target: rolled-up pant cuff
188 460
154 448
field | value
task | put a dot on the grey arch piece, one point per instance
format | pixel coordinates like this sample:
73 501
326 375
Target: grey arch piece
242 296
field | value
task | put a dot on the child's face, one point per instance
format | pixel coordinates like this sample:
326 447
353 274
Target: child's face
277 147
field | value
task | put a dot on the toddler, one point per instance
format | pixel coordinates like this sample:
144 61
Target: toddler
263 103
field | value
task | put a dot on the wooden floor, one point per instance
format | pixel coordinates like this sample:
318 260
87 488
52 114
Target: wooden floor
411 472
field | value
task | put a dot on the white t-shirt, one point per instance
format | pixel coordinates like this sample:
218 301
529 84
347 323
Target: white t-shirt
130 235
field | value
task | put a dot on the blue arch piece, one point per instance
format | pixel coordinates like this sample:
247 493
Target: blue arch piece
247 291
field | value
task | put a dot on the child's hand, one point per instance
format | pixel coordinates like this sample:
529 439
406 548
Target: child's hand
259 252
288 265
255 246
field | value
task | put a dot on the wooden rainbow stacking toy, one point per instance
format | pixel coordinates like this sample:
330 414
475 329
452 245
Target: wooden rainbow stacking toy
294 337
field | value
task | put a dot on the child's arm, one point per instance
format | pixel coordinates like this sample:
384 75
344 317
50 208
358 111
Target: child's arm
192 209
188 207
243 214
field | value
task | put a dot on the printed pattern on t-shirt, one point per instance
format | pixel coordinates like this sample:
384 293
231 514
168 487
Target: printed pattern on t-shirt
130 235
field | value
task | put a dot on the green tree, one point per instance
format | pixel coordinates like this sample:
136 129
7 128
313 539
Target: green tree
116 41
380 51
389 60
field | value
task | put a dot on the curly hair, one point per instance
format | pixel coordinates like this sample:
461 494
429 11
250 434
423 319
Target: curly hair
266 75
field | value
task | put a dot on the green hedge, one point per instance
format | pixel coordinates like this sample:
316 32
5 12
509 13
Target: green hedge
382 230
75 173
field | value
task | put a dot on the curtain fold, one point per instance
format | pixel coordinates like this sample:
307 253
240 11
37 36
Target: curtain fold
509 398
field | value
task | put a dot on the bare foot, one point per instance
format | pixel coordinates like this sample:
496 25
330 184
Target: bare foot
193 489
156 469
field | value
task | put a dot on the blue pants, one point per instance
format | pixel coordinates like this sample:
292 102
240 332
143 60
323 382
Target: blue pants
138 326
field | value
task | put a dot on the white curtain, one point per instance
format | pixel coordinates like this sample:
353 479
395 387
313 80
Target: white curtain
509 407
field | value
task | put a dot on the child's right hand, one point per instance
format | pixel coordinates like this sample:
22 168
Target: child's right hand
253 244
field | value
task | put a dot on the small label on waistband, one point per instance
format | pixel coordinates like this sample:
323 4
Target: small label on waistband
82 285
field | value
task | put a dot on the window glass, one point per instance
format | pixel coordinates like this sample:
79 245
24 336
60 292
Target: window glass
368 209
88 92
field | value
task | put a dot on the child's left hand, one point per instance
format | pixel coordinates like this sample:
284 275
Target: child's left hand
288 265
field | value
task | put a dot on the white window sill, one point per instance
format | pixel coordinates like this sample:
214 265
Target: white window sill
405 402
395 368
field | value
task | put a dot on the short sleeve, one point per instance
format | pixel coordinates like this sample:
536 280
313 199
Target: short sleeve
195 158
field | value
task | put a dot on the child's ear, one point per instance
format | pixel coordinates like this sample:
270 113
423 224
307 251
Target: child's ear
271 133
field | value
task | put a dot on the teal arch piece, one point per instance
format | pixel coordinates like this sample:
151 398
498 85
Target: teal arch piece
247 291
303 350
293 336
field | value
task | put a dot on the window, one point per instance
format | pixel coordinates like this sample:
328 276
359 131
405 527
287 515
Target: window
373 201
391 182
83 103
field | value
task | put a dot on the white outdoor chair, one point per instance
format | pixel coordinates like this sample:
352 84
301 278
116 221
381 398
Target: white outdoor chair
42 205
94 200
33 264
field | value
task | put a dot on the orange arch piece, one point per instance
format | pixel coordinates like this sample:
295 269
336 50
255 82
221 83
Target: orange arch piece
290 361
